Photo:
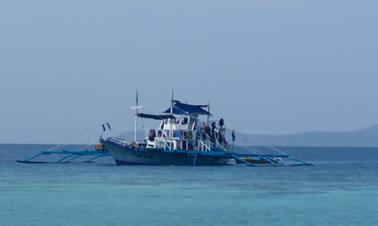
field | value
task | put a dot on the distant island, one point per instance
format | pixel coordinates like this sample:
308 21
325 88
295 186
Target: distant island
367 137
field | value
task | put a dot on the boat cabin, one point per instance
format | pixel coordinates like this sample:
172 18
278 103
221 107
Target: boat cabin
181 128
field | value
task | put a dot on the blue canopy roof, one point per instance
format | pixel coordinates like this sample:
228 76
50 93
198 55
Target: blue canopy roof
183 109
156 117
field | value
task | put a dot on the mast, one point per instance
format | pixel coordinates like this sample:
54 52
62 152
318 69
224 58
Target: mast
136 116
170 129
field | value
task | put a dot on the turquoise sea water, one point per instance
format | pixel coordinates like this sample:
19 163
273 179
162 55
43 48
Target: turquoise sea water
341 189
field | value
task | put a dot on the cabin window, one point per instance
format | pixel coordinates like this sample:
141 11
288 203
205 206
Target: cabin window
185 121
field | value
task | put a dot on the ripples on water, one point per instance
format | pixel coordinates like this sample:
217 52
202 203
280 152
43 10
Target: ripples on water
340 190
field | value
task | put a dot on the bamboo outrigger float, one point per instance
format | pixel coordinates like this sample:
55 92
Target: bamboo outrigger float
67 156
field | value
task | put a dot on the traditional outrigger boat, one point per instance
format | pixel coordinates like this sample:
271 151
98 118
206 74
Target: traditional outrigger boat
185 138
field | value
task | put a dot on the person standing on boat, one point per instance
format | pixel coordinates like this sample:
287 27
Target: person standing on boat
221 133
213 128
207 131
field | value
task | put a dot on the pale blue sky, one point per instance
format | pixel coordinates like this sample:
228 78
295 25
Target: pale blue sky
268 66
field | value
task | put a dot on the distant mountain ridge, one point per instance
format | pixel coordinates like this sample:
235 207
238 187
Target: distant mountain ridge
367 137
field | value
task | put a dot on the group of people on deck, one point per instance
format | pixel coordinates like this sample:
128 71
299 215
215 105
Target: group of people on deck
207 132
216 135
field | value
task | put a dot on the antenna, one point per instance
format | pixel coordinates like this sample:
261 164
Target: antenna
137 97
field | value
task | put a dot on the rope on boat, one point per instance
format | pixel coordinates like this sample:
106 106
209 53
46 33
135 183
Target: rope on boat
269 159
86 131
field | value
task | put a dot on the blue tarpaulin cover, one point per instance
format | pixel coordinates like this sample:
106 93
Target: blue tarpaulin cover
156 117
180 108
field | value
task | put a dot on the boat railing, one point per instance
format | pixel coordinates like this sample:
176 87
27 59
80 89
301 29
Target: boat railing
203 146
210 140
167 145
118 140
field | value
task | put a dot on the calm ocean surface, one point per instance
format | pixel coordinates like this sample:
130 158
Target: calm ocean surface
341 189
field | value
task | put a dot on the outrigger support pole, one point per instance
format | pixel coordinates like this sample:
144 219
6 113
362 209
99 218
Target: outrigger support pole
33 157
91 160
68 156
75 157
271 161
303 163
242 160
64 158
